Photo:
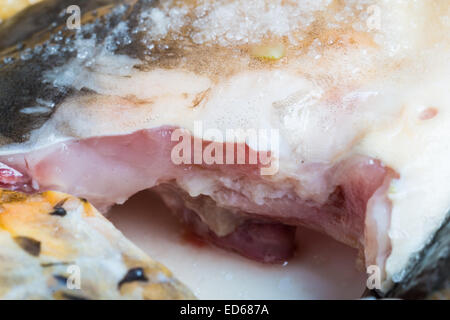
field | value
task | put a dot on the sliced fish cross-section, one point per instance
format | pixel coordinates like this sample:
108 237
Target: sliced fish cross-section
359 108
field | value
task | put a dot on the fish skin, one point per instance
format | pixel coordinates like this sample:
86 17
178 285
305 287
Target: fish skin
427 274
22 83
44 15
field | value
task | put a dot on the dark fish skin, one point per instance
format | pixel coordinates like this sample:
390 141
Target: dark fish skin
427 275
44 15
23 65
429 272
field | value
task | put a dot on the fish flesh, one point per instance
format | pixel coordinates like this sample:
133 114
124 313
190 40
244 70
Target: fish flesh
427 274
56 246
341 105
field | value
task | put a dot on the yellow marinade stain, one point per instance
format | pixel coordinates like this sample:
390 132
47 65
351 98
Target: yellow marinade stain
9 8
29 216
270 51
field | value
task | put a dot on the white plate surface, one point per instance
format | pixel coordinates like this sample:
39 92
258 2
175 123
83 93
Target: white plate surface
322 268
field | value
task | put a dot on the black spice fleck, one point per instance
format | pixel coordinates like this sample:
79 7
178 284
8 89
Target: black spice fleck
30 245
60 279
135 274
53 264
69 296
58 211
